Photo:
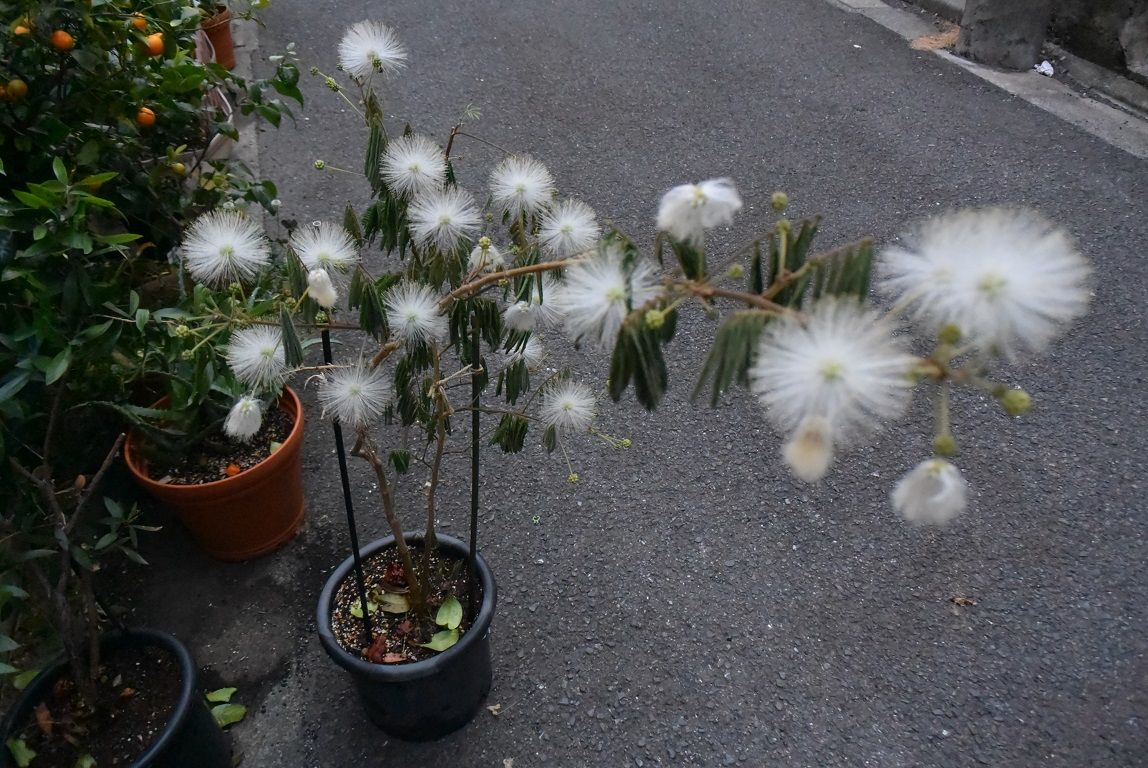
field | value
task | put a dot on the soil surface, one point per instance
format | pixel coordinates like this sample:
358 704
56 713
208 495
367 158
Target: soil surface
220 457
136 693
397 637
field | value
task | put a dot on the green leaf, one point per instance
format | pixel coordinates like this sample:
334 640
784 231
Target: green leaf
20 681
86 761
440 641
142 316
391 602
292 349
510 435
20 753
228 714
59 366
30 200
7 644
6 668
16 381
221 695
449 613
14 591
59 171
731 353
357 608
401 460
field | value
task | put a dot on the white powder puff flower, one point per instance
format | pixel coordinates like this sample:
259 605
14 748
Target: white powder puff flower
687 211
369 47
413 314
599 293
521 185
256 357
933 493
1009 279
569 406
569 229
355 396
838 363
244 419
540 309
532 352
327 246
810 451
485 257
320 288
443 218
413 165
224 247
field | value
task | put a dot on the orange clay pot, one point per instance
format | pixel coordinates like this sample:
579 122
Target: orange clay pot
218 31
241 517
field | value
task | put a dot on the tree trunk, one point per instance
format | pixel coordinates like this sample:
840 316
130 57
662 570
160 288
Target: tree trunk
1004 33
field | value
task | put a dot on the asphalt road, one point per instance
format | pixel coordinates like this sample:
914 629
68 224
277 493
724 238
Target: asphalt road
687 603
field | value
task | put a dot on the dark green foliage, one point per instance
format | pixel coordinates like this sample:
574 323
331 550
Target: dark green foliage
732 352
366 295
638 357
550 439
401 460
292 349
844 272
510 435
798 240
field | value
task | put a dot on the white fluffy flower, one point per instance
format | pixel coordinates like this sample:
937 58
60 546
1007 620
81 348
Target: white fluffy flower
933 493
356 395
443 217
568 406
320 288
485 259
838 363
687 211
521 185
255 355
532 352
568 229
244 419
327 246
809 452
538 309
413 314
223 247
599 293
413 165
1010 280
369 47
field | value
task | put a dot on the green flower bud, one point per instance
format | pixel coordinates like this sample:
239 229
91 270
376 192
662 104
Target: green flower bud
320 317
331 83
655 318
320 165
484 243
572 477
626 443
186 354
949 334
783 227
182 331
736 271
779 201
315 71
944 445
1015 401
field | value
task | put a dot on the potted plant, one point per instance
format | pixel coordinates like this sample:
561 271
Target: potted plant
98 104
475 290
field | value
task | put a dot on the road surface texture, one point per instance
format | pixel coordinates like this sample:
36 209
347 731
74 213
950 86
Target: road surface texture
688 603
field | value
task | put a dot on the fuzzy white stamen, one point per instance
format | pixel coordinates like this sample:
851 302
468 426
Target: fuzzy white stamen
568 229
413 314
256 357
933 493
244 419
327 246
355 396
369 47
521 185
223 247
442 218
599 293
320 288
687 211
809 452
569 406
413 165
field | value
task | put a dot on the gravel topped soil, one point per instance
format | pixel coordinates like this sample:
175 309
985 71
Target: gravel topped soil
219 457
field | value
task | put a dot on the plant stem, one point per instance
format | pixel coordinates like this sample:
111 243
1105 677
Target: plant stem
469 289
430 542
475 447
365 451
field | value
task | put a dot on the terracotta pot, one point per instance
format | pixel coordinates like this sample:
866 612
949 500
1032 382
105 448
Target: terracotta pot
241 517
218 30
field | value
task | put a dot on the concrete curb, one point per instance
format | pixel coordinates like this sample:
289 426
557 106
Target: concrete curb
949 10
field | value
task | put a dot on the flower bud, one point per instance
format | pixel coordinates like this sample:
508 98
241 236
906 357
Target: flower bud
655 319
331 83
1015 401
736 271
186 354
779 201
572 477
944 445
949 334
783 226
320 165
321 289
182 331
484 243
314 71
626 442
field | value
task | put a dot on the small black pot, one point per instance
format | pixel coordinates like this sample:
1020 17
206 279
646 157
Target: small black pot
191 736
426 699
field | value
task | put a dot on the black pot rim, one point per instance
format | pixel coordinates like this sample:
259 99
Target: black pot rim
403 672
32 694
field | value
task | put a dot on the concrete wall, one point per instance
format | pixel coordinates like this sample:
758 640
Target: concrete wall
1113 33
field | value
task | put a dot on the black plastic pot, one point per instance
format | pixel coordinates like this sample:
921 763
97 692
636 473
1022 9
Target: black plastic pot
191 736
426 699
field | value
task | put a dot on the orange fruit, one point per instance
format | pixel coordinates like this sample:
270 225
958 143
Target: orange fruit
145 117
62 41
155 44
139 22
179 169
232 470
17 89
20 30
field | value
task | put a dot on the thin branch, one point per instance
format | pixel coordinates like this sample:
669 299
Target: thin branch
469 289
